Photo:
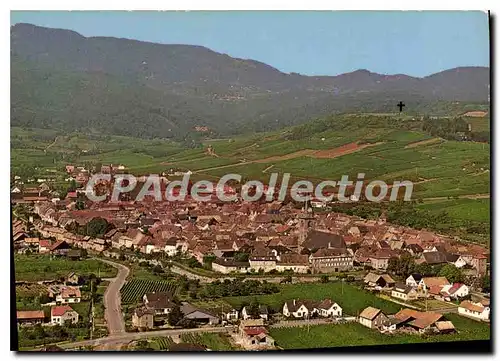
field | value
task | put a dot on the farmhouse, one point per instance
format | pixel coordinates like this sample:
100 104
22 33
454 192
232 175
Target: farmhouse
415 280
379 281
404 292
429 282
160 302
198 315
231 314
254 335
456 290
30 317
263 263
59 315
474 310
223 265
298 263
143 317
263 313
372 317
69 294
328 308
419 321
298 309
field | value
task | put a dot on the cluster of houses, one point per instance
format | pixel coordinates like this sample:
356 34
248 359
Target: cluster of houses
304 309
59 315
156 307
406 320
416 287
275 236
61 297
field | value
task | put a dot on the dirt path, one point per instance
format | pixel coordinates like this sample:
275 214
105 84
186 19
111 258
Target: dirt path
313 153
466 196
112 299
51 144
424 142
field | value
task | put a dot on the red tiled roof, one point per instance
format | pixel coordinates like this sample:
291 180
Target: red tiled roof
60 310
254 331
27 315
44 243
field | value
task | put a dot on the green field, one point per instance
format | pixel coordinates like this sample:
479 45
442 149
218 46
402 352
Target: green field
213 341
471 209
45 267
352 299
134 290
440 168
161 343
354 334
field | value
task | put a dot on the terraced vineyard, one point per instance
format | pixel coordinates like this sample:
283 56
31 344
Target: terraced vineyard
135 289
161 343
213 341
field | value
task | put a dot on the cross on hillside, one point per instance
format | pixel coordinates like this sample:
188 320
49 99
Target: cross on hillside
401 105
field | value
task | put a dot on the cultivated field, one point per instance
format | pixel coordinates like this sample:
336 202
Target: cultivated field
213 341
134 290
45 267
354 334
352 299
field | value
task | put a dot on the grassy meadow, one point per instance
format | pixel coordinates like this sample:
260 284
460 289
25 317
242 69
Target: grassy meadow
44 267
352 299
355 334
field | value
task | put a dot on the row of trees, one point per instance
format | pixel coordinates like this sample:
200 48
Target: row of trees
405 265
238 287
96 227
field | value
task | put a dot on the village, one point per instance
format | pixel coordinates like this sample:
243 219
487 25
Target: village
423 275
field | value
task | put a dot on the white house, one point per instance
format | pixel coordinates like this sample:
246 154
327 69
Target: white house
372 317
404 292
328 308
231 315
171 247
263 313
59 315
414 280
297 309
474 310
457 290
69 294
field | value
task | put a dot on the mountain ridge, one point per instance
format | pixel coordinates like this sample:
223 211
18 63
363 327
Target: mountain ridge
68 80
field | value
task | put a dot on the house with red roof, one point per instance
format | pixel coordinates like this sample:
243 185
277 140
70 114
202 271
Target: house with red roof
254 335
59 315
44 246
474 309
456 290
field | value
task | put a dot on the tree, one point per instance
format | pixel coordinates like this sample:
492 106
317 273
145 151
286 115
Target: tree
208 259
241 256
97 227
253 309
486 283
175 315
325 279
452 273
401 266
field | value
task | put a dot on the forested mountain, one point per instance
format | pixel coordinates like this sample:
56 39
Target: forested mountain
61 79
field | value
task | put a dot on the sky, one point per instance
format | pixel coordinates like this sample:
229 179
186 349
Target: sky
415 43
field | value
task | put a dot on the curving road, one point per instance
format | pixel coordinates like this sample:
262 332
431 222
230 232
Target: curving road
131 336
112 300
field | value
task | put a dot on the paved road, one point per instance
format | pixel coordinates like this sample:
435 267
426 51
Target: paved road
130 336
112 300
